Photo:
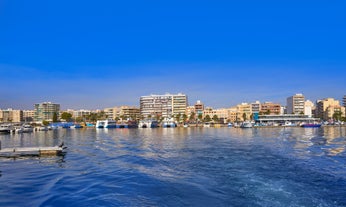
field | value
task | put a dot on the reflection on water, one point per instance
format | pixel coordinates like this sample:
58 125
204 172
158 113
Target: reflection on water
179 167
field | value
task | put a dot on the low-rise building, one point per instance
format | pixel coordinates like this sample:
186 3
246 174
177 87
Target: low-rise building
10 115
270 108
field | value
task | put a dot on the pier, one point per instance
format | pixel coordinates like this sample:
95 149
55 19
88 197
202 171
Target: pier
32 151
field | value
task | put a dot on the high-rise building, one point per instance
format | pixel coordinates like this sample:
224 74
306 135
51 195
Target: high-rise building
344 101
295 104
167 105
45 111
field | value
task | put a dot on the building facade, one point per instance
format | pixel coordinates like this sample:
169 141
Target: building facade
295 104
45 111
167 105
244 112
308 108
326 108
344 101
270 108
10 115
199 107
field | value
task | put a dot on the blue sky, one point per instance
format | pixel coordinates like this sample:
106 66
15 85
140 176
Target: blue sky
97 54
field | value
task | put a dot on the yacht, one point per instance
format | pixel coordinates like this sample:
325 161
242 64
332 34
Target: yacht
6 128
246 124
206 124
168 123
110 123
100 124
27 128
148 124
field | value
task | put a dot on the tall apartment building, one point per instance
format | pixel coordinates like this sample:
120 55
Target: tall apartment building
11 115
167 105
295 104
326 108
45 111
344 101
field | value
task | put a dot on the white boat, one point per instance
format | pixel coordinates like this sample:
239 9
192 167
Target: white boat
246 124
27 128
109 123
100 124
6 128
148 124
229 125
206 124
168 123
42 128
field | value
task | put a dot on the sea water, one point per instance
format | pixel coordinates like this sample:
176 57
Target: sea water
179 167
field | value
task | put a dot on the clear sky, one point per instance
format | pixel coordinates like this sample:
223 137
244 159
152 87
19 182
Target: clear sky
97 54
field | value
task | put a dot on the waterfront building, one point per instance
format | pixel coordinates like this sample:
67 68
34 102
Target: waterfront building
344 101
232 114
168 105
189 111
122 112
308 108
45 111
284 118
327 107
11 115
28 115
295 104
221 114
256 107
80 113
199 107
244 112
270 108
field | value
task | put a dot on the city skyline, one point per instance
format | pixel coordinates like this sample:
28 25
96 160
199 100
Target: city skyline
94 56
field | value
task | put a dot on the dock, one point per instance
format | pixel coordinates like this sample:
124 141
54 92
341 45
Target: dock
32 151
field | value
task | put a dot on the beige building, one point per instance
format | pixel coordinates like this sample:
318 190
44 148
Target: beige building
295 104
123 112
232 114
11 115
244 112
327 107
28 115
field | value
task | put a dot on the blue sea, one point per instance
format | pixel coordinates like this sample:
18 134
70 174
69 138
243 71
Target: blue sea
179 167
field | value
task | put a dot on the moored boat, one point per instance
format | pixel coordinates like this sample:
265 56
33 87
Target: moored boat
246 124
6 128
310 125
100 124
110 123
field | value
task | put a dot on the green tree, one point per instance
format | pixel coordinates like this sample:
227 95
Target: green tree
184 117
192 116
66 116
244 116
45 123
200 116
55 117
207 118
215 118
178 117
337 115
